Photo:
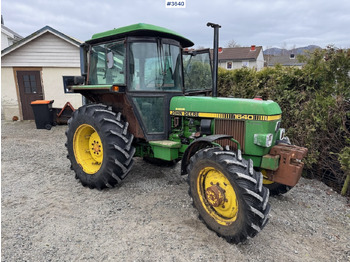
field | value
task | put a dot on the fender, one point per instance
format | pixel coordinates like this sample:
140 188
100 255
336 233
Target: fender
200 143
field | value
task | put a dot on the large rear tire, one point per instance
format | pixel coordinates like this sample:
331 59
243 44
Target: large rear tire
228 194
99 146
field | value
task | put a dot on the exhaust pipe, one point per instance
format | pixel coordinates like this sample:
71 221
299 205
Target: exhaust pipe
215 58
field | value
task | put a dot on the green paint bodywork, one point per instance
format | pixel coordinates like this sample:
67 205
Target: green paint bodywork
258 127
166 149
91 87
224 105
270 162
142 29
230 107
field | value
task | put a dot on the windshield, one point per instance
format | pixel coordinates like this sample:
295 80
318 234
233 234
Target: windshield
107 64
155 66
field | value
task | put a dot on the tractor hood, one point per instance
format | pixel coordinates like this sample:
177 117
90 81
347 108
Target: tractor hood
217 107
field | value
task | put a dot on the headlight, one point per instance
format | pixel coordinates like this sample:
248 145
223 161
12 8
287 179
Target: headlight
264 140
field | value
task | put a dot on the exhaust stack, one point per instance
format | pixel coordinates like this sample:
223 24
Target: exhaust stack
215 57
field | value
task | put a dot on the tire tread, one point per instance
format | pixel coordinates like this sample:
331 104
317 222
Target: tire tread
253 196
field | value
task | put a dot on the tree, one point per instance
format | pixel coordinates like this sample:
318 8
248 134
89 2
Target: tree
232 43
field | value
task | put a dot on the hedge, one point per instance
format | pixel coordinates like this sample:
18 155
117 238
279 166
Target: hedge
315 101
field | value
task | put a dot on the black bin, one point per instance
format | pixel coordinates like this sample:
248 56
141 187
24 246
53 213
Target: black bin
43 113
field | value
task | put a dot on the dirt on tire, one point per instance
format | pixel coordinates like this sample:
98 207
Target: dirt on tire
47 215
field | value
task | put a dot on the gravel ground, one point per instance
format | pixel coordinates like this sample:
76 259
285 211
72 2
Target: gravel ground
48 216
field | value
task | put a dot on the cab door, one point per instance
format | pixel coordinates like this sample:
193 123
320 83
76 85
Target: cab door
155 76
197 71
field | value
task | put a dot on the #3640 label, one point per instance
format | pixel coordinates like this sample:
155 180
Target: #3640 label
175 4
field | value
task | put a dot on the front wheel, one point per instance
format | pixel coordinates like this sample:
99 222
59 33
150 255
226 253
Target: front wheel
99 146
228 194
274 187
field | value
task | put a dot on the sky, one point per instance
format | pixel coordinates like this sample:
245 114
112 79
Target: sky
267 23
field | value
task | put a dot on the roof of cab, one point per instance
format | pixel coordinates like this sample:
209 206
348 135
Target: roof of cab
140 29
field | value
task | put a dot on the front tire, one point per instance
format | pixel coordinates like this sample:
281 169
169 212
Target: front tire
99 146
275 188
228 194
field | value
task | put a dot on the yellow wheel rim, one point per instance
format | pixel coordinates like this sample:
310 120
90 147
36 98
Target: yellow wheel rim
217 196
266 181
88 149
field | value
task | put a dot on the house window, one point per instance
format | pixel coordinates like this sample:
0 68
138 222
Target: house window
29 84
245 63
65 84
229 65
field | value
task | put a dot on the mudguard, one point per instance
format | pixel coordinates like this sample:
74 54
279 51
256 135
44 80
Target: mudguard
200 143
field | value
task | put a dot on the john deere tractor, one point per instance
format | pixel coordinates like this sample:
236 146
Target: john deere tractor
146 96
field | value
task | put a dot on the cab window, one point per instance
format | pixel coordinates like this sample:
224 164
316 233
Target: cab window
155 67
107 64
197 71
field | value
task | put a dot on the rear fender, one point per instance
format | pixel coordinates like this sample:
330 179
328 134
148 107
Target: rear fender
200 143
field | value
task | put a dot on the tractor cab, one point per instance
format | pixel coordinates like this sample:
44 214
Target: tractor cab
140 68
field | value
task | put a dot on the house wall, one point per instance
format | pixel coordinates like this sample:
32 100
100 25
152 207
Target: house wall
52 81
260 61
53 86
48 50
238 64
5 41
9 97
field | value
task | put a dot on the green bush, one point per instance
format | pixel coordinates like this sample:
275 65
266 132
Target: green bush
315 102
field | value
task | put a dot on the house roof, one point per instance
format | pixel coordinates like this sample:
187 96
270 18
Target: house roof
238 53
284 60
37 34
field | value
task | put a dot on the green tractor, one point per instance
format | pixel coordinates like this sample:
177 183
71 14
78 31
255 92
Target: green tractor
147 96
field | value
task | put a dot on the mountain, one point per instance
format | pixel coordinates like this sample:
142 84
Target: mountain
296 51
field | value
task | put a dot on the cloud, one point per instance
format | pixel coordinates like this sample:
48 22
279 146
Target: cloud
259 22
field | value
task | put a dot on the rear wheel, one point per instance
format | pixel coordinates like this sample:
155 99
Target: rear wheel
228 194
99 146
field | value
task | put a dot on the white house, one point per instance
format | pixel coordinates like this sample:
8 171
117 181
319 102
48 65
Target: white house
238 57
33 69
8 37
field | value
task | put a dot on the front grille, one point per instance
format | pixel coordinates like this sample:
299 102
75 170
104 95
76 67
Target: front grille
235 128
